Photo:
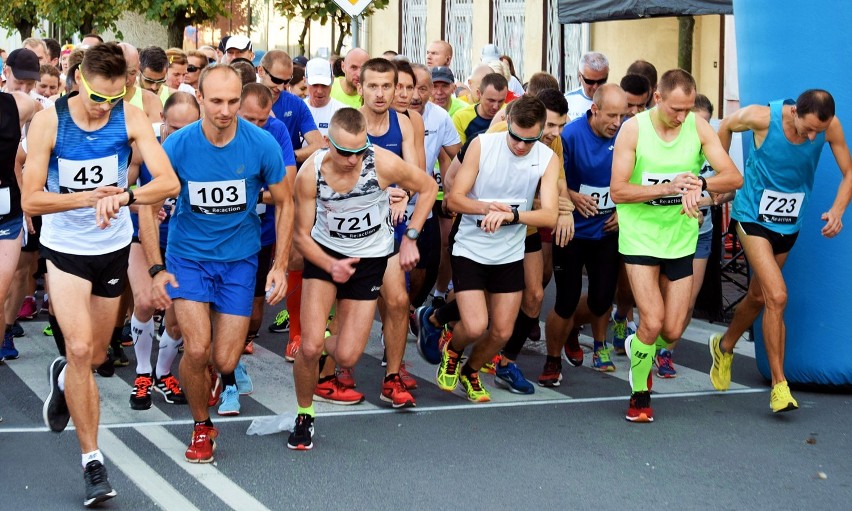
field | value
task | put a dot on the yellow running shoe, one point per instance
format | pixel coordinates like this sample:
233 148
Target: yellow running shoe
447 375
720 371
474 389
780 399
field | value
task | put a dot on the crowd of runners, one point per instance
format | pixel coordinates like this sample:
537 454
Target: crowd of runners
329 189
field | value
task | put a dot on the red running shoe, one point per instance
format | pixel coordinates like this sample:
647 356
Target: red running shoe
396 393
346 377
203 444
331 391
292 348
639 409
215 387
407 380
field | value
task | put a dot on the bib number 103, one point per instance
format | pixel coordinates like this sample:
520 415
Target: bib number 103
217 197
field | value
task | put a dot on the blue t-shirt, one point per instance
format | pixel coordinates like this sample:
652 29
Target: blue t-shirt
267 211
294 113
145 177
588 169
215 217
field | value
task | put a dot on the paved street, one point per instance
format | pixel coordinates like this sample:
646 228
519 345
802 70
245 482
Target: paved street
568 447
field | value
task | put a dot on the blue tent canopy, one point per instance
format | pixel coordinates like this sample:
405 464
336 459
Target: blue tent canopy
588 11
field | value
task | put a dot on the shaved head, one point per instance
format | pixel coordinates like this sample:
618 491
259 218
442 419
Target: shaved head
609 94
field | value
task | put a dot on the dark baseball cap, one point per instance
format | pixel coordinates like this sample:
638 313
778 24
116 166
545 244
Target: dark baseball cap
24 64
443 74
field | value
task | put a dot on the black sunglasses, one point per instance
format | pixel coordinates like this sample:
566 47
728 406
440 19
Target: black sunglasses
519 138
594 82
346 153
275 79
211 60
151 80
191 69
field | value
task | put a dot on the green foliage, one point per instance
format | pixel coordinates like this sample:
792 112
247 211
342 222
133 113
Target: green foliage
324 11
84 15
20 15
178 14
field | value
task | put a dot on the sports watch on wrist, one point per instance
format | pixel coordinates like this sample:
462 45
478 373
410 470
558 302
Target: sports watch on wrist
412 234
154 270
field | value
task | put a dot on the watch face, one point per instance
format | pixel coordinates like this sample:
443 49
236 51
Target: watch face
412 233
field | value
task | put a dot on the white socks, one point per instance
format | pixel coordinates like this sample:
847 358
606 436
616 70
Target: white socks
143 339
168 353
92 456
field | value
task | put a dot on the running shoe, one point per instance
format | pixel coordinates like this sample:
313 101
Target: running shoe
249 347
48 331
203 444
126 335
18 330
572 352
474 389
107 368
447 375
244 383
511 378
396 393
169 387
45 305
140 396
98 488
215 386
8 350
438 301
408 380
28 309
292 348
665 366
601 360
229 401
490 367
55 409
780 399
535 332
346 377
331 391
551 375
720 371
281 323
428 336
301 438
446 338
639 409
118 355
412 324
620 331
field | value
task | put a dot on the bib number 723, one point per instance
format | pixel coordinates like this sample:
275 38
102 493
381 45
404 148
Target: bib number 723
779 207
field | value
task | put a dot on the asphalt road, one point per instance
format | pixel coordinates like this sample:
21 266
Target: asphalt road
568 447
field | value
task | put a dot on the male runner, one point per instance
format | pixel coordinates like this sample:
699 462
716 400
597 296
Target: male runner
769 210
343 228
222 162
494 191
77 159
656 188
345 88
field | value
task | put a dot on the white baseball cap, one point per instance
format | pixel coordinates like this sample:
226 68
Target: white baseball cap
238 42
318 72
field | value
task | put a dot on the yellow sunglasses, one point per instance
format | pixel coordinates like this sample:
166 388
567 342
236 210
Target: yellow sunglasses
101 98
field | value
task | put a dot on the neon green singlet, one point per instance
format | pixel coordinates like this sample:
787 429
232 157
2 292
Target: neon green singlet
657 228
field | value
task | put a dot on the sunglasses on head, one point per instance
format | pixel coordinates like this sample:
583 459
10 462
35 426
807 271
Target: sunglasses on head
519 138
595 82
275 79
346 153
101 98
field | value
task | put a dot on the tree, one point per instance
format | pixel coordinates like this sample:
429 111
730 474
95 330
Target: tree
20 15
685 33
323 11
176 15
85 16
305 9
330 11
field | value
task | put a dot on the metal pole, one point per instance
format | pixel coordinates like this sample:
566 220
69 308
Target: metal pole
356 32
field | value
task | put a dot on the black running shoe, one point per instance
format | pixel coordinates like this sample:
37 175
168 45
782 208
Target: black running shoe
140 397
17 329
55 410
119 356
107 369
301 438
98 488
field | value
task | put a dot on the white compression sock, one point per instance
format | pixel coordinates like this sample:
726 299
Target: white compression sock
143 339
168 353
92 456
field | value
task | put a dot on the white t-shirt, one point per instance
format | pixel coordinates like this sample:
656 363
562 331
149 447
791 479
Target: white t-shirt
439 131
322 115
578 103
516 86
185 87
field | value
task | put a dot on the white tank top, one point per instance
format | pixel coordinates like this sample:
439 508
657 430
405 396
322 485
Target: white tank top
507 178
356 223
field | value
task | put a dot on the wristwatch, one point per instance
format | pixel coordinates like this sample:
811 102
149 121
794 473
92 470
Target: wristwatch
515 215
412 234
154 270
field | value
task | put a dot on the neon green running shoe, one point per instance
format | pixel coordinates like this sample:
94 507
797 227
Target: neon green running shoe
447 376
780 399
720 371
281 323
474 389
48 331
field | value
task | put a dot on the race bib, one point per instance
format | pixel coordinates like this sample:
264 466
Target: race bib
354 224
217 197
5 201
651 179
602 196
409 210
780 208
82 175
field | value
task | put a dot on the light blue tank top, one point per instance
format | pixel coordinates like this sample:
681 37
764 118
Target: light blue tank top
779 178
81 161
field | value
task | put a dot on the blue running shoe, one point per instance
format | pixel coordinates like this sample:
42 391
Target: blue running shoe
229 401
244 384
620 331
665 366
8 351
511 378
427 336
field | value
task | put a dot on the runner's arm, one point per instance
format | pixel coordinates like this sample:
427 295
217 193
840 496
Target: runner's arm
834 216
314 140
391 169
164 182
753 117
728 177
305 215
